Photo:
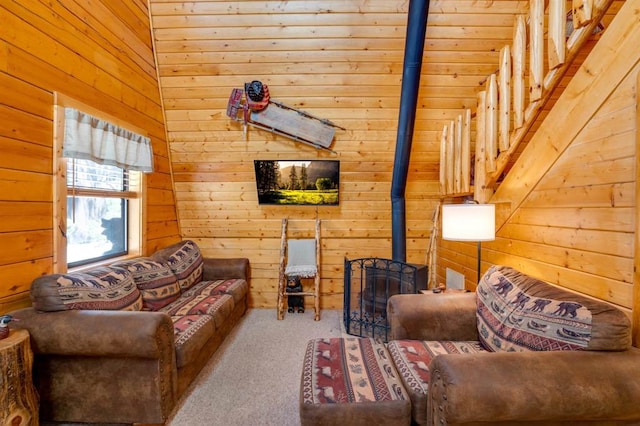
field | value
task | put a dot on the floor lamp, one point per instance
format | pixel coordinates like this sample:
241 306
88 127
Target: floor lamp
469 222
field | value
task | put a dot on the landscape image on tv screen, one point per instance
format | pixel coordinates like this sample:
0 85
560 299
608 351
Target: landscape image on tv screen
298 182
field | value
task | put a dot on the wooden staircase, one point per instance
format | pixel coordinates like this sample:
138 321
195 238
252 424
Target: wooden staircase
502 120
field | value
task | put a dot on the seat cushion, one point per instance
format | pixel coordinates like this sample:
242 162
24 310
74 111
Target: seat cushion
156 282
218 306
351 381
191 333
412 359
235 287
301 258
517 312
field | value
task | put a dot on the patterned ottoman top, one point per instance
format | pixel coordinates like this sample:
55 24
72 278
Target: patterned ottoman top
349 370
412 359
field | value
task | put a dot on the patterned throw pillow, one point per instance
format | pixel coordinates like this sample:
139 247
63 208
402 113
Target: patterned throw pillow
185 261
156 282
514 318
102 288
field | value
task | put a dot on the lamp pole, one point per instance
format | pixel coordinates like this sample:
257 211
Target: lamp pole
479 249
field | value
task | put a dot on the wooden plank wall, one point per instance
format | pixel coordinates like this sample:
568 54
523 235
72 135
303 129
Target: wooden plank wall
340 60
100 54
574 224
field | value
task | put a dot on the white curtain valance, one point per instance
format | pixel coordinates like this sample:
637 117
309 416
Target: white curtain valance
90 138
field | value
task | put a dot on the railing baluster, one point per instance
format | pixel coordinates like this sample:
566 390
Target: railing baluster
443 160
536 49
491 123
481 192
458 155
582 13
466 151
450 157
496 138
519 52
504 97
556 48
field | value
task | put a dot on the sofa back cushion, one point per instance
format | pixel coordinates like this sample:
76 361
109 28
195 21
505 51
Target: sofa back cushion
185 261
519 313
156 282
102 288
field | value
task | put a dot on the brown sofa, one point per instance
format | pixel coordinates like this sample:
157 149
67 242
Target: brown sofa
518 351
121 343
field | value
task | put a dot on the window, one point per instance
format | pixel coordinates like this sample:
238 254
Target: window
98 200
99 186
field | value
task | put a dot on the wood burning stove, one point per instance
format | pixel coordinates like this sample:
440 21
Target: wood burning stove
368 284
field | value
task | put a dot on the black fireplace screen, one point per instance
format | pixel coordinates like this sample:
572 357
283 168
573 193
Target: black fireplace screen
368 284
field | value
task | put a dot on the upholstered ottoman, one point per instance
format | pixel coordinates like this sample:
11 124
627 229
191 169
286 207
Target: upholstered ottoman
351 381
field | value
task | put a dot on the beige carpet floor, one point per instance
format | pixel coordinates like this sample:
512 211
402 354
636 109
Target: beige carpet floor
254 377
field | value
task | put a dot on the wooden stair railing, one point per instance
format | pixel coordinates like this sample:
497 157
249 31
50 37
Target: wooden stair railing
502 121
455 156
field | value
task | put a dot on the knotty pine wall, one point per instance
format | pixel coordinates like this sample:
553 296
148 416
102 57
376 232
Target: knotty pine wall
99 53
340 60
567 211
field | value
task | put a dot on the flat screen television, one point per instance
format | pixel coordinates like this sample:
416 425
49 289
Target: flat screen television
298 182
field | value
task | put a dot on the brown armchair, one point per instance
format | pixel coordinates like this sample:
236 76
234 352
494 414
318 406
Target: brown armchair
596 384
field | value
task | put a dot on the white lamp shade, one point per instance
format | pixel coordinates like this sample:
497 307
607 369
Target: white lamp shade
469 222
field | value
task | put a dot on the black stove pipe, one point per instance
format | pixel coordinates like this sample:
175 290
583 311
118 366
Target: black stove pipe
414 47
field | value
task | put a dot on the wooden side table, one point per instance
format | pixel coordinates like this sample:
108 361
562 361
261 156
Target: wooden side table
18 397
449 291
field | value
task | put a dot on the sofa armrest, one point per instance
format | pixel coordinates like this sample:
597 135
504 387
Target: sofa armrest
104 367
544 387
433 317
221 269
98 333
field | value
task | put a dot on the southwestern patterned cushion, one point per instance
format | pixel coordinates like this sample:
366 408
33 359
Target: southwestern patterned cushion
102 288
191 334
219 306
185 261
412 359
236 287
351 381
519 313
155 280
